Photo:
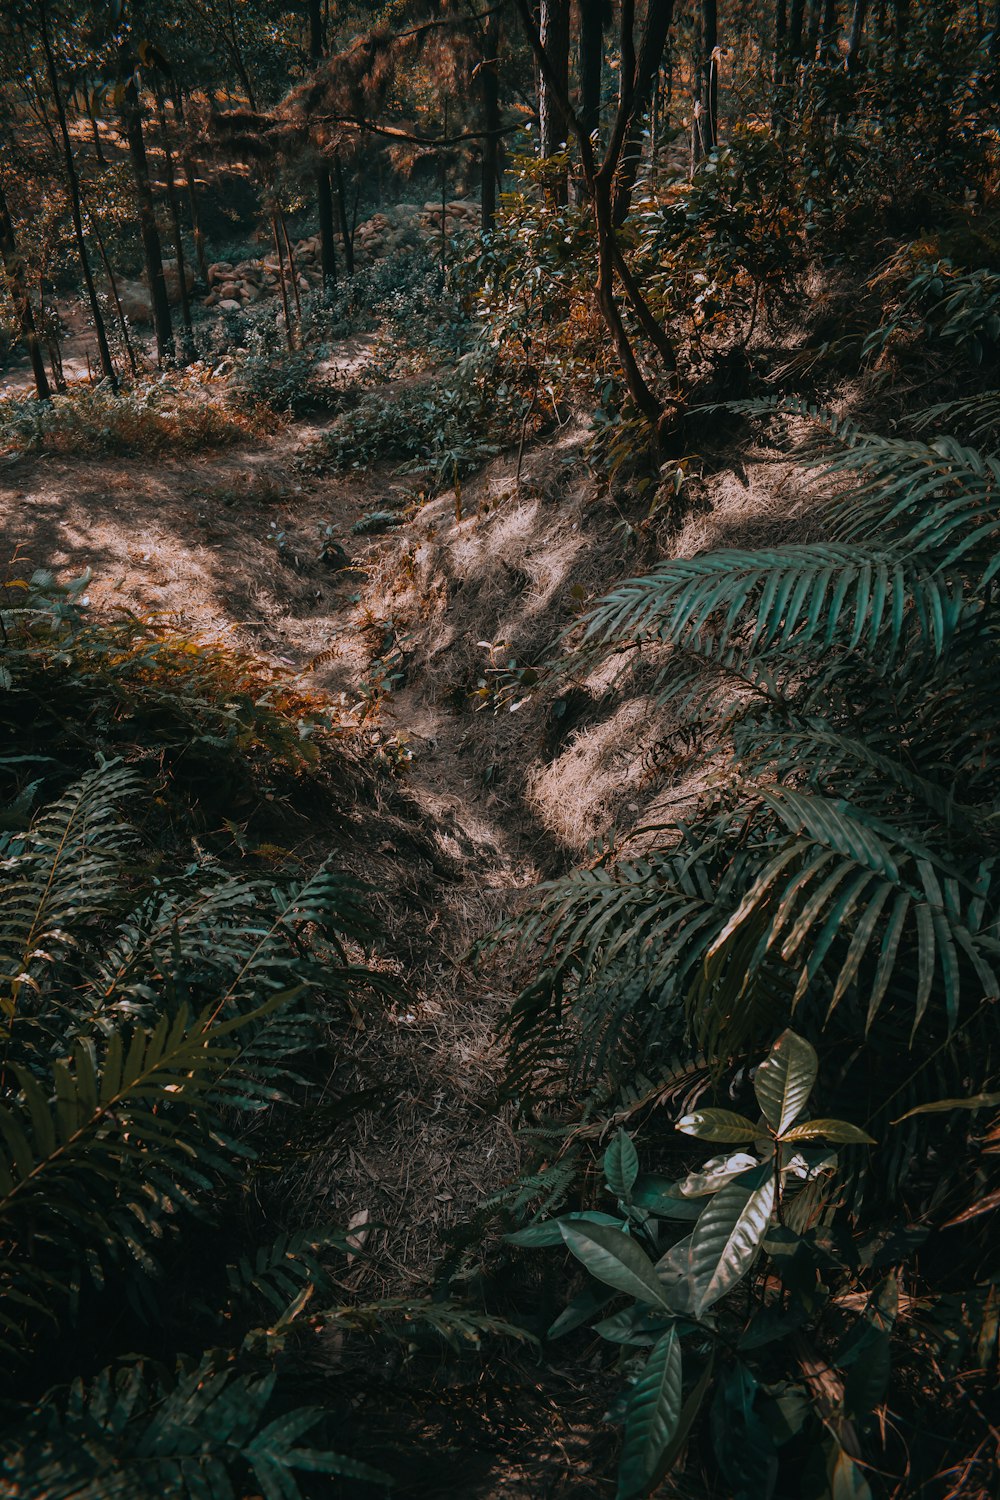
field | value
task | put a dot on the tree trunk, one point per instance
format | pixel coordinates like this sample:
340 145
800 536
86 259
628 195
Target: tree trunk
346 233
489 83
112 283
828 32
590 59
14 269
639 72
603 186
73 182
709 72
175 220
857 31
552 124
289 336
152 255
324 191
188 164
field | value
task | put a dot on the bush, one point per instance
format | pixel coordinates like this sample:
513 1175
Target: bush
173 414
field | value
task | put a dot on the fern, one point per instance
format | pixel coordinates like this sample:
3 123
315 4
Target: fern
842 867
211 1432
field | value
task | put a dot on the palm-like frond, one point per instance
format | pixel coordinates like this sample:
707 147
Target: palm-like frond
843 865
129 1435
787 598
61 877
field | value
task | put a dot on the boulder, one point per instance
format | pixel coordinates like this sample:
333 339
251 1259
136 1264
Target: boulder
220 270
171 277
248 270
230 289
229 304
135 301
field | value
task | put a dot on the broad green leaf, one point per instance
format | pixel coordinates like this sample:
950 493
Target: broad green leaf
537 1235
593 1299
726 1239
654 1409
718 1125
943 1106
621 1166
616 1260
845 1478
784 1080
660 1196
840 1131
715 1174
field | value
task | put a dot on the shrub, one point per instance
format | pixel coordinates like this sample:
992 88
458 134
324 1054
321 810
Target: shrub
168 415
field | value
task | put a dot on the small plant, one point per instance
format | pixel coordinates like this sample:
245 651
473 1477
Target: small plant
754 1212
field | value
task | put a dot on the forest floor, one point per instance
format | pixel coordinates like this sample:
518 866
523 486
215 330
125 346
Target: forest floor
497 788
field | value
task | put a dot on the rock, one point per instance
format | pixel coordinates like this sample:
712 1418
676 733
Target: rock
248 270
220 270
230 290
210 300
250 293
229 304
135 300
171 277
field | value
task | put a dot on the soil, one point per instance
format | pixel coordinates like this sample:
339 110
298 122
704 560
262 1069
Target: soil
499 787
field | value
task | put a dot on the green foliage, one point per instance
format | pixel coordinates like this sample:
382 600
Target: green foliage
941 305
448 425
223 731
147 1019
181 414
752 1216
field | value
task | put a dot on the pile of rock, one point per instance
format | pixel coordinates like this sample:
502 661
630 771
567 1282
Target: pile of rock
234 286
462 213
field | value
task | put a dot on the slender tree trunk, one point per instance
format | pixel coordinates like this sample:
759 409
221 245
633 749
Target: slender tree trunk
102 160
113 284
175 221
856 34
639 71
710 70
324 190
14 269
293 274
489 83
187 162
590 58
346 232
73 182
828 31
552 124
150 234
289 336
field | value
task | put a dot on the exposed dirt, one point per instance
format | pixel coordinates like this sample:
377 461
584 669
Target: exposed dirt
506 783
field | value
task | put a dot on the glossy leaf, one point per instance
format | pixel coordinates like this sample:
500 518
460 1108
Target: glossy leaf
785 1079
727 1238
621 1166
654 1409
718 1125
841 1132
616 1260
548 1233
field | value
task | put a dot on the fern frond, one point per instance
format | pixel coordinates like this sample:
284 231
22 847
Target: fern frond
60 877
129 1434
789 597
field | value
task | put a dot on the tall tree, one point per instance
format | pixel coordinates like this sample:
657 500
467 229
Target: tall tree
553 84
324 188
488 70
73 183
590 62
14 269
609 183
130 110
